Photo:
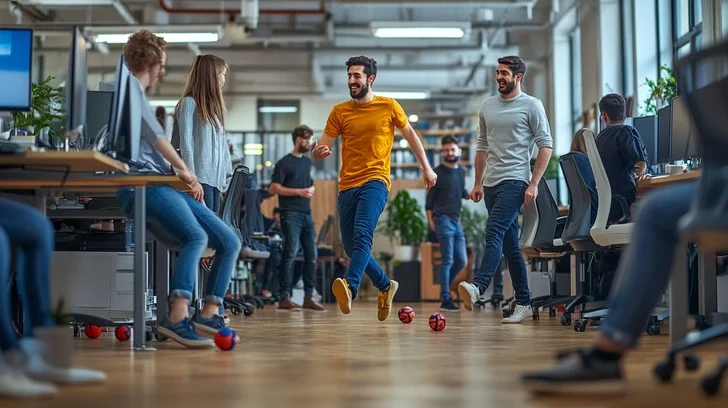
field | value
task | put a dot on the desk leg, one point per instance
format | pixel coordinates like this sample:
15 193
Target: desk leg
40 201
679 296
707 284
140 271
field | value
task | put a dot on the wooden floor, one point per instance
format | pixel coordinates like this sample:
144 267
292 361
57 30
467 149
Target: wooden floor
310 359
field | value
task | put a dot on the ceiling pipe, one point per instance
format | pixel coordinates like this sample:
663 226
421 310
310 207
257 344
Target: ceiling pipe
233 13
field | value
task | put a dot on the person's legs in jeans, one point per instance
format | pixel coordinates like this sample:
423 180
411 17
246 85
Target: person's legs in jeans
8 338
642 277
167 209
359 211
211 198
516 264
445 230
291 225
272 265
310 253
32 234
502 202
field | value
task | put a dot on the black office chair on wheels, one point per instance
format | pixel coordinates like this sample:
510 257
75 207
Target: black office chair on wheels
703 81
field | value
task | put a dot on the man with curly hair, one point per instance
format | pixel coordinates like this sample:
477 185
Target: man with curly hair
366 125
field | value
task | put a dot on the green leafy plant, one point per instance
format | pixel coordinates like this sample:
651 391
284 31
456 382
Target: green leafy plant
473 223
661 91
405 221
59 316
45 109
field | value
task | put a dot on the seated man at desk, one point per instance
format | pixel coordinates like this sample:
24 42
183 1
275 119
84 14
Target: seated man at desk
642 277
622 151
183 215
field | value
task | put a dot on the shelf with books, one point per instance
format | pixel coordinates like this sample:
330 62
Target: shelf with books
404 164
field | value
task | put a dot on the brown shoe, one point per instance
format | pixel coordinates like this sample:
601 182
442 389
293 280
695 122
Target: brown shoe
308 303
288 305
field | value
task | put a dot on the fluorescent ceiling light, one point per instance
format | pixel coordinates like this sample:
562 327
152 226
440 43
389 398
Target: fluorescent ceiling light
413 118
278 109
404 95
171 34
414 29
72 2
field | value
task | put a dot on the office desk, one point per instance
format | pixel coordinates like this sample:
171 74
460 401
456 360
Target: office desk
647 185
82 163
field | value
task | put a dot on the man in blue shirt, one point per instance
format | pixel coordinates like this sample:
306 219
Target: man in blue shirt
443 205
622 152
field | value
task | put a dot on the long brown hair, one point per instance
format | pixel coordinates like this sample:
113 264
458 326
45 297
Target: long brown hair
578 144
203 85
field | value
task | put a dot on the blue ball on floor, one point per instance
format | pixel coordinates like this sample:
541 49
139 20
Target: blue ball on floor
225 339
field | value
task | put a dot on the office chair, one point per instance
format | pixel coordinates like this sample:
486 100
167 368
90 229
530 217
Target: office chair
703 80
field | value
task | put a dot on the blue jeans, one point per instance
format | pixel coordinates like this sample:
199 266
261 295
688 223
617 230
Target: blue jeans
211 197
644 270
26 229
196 228
298 231
453 256
359 211
501 237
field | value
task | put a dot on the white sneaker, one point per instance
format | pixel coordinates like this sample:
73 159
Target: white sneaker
29 361
15 384
519 313
469 294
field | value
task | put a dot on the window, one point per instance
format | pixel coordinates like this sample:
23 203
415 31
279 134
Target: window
687 26
575 76
724 12
647 50
278 115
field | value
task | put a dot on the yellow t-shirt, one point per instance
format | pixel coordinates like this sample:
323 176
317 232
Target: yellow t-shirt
367 134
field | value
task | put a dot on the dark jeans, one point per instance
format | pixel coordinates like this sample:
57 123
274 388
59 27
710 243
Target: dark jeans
298 231
453 256
196 228
645 267
501 237
272 265
25 229
359 211
212 198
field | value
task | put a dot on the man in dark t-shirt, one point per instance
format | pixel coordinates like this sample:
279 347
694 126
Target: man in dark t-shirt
622 151
443 205
292 183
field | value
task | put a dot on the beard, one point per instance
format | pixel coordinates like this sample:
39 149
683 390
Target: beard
510 86
303 149
453 159
362 92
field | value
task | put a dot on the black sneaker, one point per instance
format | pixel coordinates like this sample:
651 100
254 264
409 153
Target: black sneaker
448 306
577 372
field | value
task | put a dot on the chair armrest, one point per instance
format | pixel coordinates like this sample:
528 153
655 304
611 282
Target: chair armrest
626 215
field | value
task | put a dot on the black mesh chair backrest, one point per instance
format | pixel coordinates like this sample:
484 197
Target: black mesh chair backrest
548 212
703 82
231 207
578 222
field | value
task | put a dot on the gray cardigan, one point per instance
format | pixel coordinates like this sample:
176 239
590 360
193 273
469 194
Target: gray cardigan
203 148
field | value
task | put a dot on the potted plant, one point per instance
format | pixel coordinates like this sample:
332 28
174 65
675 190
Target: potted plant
406 224
46 111
56 338
661 91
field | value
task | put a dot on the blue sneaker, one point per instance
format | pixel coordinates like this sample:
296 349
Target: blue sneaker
183 332
208 327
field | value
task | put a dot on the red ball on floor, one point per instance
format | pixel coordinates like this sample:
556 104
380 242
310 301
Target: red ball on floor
122 333
92 331
406 314
225 339
437 321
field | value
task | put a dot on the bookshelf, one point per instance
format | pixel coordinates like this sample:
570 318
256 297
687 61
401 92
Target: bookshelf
404 164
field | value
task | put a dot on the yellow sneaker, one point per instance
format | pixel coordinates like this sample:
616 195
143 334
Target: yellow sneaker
384 301
341 291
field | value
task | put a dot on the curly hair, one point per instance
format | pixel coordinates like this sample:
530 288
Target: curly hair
514 63
144 50
369 64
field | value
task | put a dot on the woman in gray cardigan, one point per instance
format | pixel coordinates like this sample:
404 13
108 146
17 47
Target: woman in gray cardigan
199 125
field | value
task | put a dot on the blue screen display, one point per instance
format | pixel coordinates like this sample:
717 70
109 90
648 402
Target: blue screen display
15 68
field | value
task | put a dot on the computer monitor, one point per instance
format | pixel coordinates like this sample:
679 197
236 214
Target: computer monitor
664 127
647 128
125 119
683 132
98 107
76 82
16 56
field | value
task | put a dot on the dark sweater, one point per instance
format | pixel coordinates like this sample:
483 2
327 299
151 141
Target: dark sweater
293 172
445 198
620 147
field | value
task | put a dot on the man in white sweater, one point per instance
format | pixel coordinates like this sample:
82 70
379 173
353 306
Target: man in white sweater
510 124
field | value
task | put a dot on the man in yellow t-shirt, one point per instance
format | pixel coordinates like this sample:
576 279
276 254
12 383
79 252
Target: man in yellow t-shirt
366 124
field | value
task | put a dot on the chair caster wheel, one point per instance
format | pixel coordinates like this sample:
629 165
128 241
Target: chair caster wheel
235 310
247 312
565 320
580 325
507 313
692 363
536 316
664 371
653 329
552 312
711 383
76 331
148 336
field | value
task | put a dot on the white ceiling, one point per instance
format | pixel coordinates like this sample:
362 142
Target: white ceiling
298 49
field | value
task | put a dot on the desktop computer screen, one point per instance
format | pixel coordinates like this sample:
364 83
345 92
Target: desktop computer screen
647 128
683 132
125 118
664 127
16 53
